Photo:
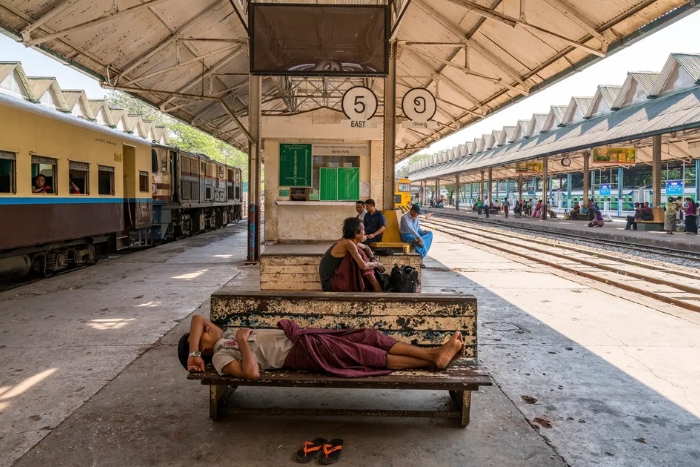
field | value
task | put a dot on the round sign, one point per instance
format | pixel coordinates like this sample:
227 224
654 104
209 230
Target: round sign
419 105
566 162
359 103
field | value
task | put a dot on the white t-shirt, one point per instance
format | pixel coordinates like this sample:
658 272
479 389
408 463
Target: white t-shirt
269 346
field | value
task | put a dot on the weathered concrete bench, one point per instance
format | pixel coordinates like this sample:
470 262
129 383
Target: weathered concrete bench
419 319
295 267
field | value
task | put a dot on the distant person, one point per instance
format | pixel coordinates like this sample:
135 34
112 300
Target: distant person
518 208
575 211
360 209
73 189
597 219
538 209
375 223
486 206
591 209
691 217
671 216
647 213
348 265
412 233
506 207
632 220
40 185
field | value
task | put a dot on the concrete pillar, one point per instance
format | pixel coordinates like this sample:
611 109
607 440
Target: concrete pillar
507 191
471 193
390 129
481 187
586 170
656 172
620 178
545 187
520 188
457 192
697 180
254 170
437 190
593 185
568 191
490 185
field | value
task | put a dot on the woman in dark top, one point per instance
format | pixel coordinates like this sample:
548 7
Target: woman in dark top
348 265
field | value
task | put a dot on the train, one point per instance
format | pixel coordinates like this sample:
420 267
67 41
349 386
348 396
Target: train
402 194
72 189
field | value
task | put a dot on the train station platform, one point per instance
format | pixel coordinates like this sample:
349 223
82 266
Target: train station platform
614 231
585 374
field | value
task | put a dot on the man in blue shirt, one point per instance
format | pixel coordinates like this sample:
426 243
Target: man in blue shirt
375 223
412 233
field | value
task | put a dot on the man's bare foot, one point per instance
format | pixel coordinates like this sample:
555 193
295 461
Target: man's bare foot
448 350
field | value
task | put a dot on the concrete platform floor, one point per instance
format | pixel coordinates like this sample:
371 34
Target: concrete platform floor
584 375
611 230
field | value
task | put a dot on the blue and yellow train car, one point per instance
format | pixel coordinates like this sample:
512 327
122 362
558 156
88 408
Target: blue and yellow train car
67 187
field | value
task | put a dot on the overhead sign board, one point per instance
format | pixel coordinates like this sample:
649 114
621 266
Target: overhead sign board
341 149
419 105
674 187
529 167
359 103
614 156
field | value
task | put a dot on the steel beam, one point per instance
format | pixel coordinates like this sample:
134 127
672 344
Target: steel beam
52 13
545 187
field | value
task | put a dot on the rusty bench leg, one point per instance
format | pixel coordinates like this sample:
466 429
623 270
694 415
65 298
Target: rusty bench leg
462 400
217 395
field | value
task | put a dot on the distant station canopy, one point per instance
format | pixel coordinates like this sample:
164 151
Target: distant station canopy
193 59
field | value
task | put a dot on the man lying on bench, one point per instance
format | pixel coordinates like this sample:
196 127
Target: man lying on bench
346 353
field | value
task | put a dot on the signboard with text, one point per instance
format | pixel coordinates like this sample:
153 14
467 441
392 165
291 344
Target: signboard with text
605 190
614 156
295 165
674 188
529 167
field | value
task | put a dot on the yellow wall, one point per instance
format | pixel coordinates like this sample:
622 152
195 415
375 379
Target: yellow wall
28 133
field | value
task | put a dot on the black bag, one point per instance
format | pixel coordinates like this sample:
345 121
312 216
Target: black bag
647 217
404 279
384 281
383 252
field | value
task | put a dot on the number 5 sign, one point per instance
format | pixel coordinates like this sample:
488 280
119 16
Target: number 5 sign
419 105
359 103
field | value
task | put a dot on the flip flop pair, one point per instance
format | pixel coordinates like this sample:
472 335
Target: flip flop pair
329 451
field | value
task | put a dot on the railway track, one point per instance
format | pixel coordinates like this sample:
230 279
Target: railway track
669 252
664 284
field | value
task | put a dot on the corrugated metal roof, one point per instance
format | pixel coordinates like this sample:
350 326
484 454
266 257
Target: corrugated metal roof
691 64
610 93
668 113
646 79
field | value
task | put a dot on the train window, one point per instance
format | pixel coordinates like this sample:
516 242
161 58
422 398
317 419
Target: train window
7 172
154 161
105 180
208 193
143 182
204 168
404 187
230 175
43 175
78 176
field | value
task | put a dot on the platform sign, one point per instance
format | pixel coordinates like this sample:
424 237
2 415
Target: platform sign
605 190
295 165
529 167
674 188
419 105
614 156
359 105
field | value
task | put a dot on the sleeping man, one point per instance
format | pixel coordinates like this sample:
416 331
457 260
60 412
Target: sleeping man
346 353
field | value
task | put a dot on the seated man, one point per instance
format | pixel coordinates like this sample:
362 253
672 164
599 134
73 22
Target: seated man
348 265
412 233
375 223
346 353
632 220
647 213
360 209
575 211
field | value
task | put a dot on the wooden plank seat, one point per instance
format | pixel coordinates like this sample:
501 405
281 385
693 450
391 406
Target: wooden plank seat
295 267
392 235
419 319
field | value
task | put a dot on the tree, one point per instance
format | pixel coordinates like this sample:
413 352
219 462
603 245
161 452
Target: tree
185 137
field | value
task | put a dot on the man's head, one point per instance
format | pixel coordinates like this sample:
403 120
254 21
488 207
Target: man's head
353 228
646 204
671 199
415 211
636 205
371 206
39 181
359 206
205 345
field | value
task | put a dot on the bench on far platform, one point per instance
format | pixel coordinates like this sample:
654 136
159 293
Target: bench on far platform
656 225
418 319
391 238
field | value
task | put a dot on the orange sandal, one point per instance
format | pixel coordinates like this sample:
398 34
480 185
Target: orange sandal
310 449
331 452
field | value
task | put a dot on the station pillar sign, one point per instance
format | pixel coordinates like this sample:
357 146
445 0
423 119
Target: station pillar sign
419 106
359 105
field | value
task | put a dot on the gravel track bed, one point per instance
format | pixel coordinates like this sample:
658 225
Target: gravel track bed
655 259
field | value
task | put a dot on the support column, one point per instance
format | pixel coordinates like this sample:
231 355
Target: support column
471 193
568 191
390 130
545 187
490 185
586 175
593 184
457 192
697 180
254 170
656 172
437 190
481 186
507 190
620 179
520 188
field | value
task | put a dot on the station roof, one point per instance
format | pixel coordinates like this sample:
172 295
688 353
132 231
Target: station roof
647 104
190 59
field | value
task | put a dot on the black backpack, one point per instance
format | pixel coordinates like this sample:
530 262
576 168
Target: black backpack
404 279
384 281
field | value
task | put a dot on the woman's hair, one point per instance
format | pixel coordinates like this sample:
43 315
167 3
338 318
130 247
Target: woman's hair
351 227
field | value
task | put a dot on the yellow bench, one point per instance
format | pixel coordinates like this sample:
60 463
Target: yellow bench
392 236
657 224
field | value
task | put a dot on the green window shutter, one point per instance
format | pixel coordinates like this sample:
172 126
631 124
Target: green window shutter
348 184
328 184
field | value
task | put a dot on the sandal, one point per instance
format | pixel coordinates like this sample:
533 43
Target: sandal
310 449
331 452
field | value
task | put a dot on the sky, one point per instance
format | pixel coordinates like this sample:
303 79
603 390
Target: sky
649 54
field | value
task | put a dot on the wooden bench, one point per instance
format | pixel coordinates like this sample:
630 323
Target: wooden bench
391 238
295 267
655 225
419 319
